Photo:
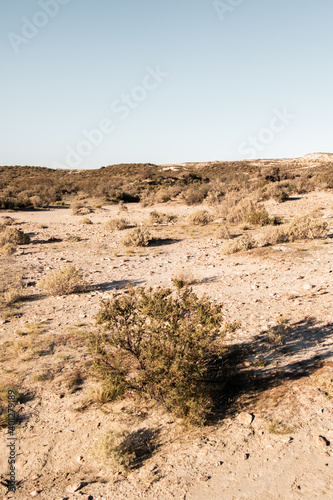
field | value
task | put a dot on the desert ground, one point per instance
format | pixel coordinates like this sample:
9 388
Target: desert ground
275 438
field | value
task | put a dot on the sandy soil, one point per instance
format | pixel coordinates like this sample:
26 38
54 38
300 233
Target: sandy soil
268 447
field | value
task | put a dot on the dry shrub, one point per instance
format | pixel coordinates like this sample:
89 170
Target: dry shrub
277 334
137 237
13 236
117 223
13 295
260 217
306 228
7 221
162 196
272 236
73 381
200 218
242 243
8 249
122 207
276 191
195 195
223 232
79 208
64 282
162 346
236 209
182 278
72 238
161 218
301 228
86 220
124 451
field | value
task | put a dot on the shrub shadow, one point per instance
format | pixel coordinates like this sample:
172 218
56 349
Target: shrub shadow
115 285
158 242
144 443
241 384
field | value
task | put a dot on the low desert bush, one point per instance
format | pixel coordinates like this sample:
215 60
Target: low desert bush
272 236
306 228
13 236
240 211
122 207
195 195
116 224
13 295
200 218
124 451
276 191
79 208
8 249
162 196
72 238
64 282
86 220
161 346
161 218
137 237
223 232
300 228
7 221
182 278
260 217
277 334
240 244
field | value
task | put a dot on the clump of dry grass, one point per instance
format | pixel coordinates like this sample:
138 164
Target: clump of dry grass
272 236
86 220
13 236
13 295
124 451
64 282
242 243
73 381
72 238
275 190
200 218
277 334
7 221
306 228
79 208
43 376
161 218
182 278
223 232
300 228
276 427
8 249
260 217
236 207
117 224
122 207
137 237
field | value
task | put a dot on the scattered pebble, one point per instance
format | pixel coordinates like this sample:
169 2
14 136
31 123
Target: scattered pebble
245 418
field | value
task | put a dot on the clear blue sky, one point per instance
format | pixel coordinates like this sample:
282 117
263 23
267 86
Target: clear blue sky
234 79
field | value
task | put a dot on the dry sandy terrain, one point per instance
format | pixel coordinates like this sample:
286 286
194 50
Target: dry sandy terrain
276 453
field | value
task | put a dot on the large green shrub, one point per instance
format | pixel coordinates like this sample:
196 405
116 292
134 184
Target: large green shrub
161 345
